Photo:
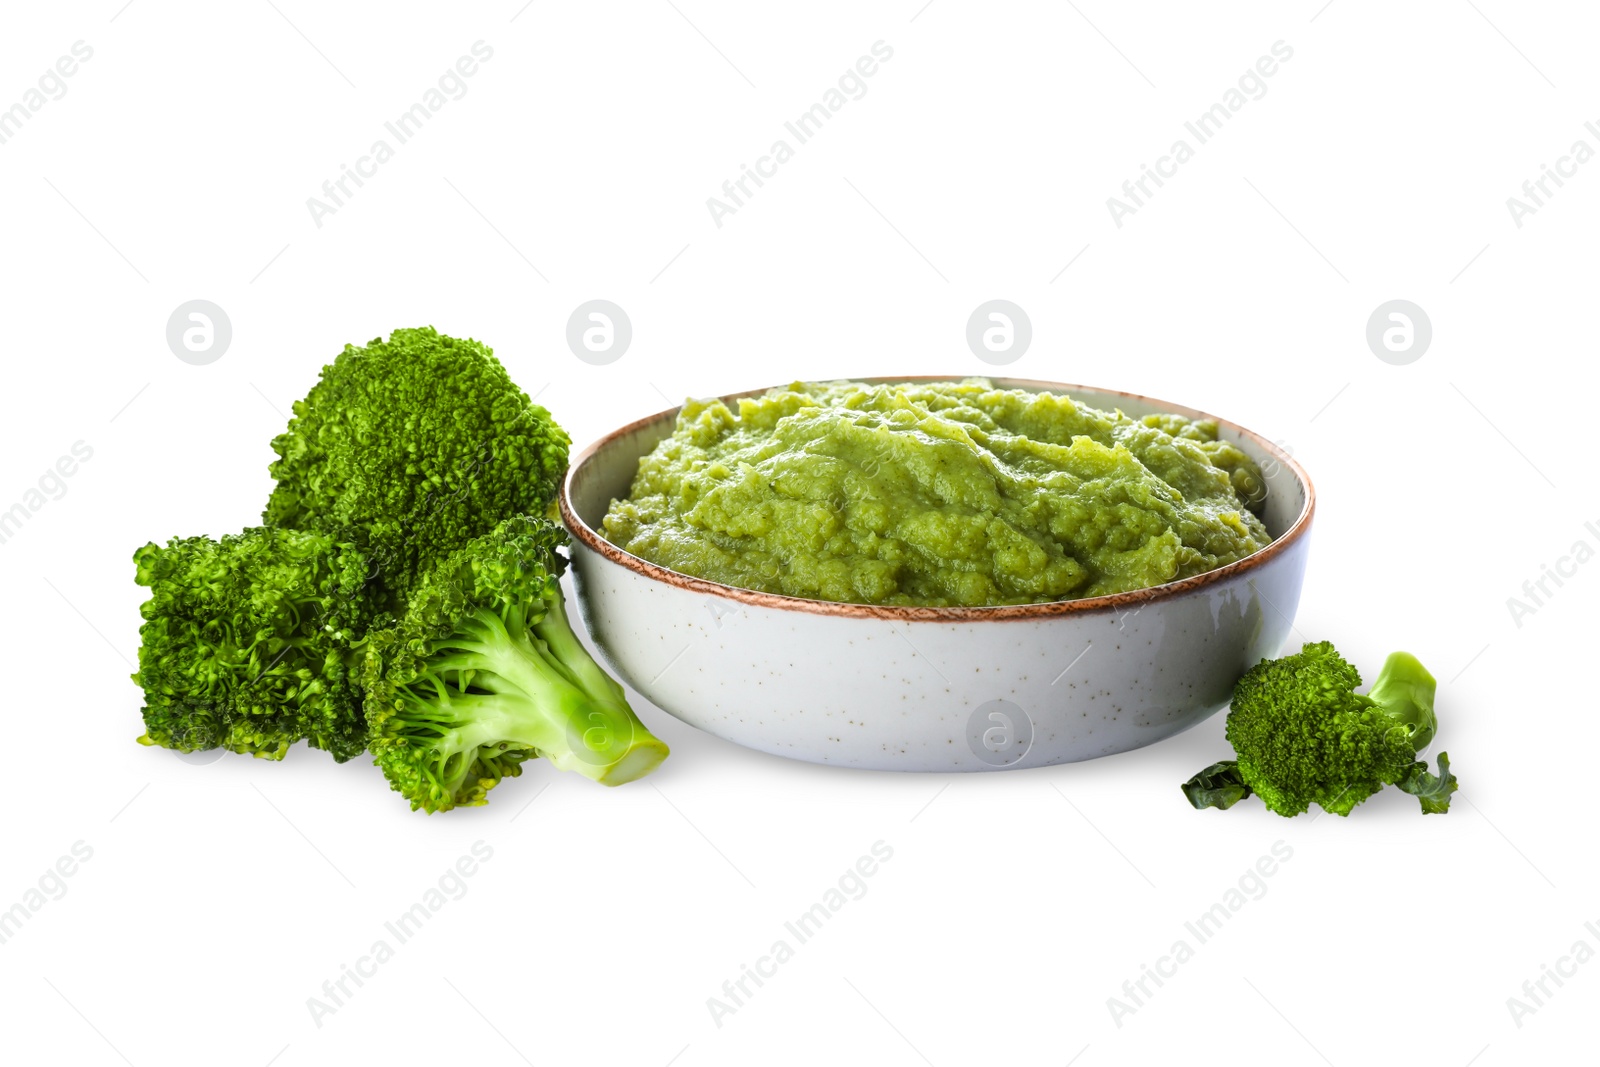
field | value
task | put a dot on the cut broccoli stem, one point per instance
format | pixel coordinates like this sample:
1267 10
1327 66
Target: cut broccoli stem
1404 691
510 693
583 726
563 641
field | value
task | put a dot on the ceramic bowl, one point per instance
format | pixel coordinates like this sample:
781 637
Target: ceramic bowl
935 689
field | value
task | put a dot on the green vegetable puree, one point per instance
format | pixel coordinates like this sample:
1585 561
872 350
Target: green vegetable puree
937 494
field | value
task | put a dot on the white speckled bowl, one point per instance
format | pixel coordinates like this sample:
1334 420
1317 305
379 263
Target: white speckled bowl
936 689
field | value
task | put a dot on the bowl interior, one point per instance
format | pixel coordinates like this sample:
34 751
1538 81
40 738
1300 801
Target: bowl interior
606 471
606 474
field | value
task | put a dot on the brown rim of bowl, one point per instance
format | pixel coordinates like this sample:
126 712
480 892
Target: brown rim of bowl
906 613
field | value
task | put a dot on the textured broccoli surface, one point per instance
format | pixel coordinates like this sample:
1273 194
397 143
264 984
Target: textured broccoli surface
410 448
246 642
1304 736
483 671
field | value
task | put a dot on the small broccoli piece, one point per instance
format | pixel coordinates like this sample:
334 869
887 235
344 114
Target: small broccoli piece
410 448
246 642
1303 736
1218 786
483 671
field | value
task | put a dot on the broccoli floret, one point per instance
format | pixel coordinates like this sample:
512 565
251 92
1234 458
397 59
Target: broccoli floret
483 671
410 448
1303 735
246 642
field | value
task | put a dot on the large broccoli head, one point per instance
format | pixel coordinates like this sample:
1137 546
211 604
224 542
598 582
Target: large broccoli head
484 671
1304 736
246 642
410 448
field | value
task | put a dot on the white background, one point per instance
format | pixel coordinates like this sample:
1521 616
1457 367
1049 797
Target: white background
220 897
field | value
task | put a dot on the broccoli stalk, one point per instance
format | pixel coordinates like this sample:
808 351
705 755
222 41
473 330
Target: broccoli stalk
1403 692
484 672
1303 735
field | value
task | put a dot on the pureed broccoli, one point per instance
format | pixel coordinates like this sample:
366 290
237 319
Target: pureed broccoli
1304 736
411 519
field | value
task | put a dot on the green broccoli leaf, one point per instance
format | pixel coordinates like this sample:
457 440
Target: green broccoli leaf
1432 790
1218 786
